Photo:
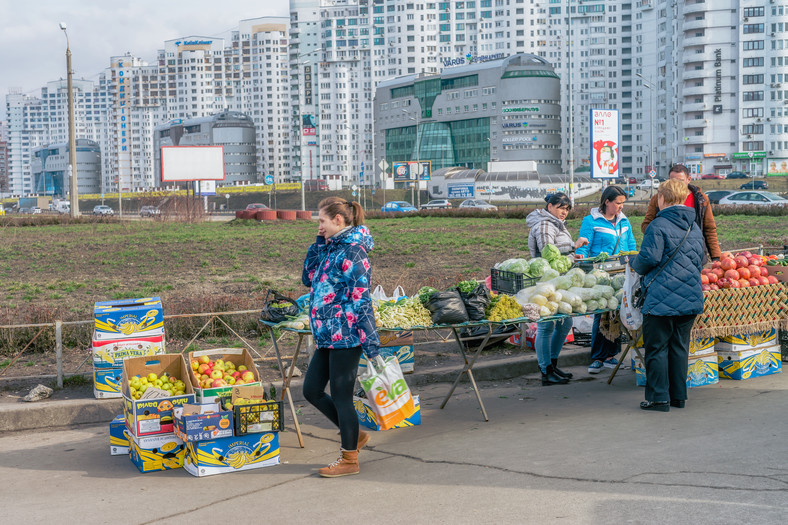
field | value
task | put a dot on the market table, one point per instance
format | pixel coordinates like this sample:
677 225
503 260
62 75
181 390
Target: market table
468 362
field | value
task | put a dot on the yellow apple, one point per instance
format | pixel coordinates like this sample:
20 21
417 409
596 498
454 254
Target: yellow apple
216 374
204 359
247 376
241 368
152 377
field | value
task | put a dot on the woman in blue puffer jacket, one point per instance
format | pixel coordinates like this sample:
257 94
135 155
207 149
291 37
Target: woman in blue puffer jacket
342 321
670 261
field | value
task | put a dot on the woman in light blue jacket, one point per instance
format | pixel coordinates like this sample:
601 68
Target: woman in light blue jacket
608 230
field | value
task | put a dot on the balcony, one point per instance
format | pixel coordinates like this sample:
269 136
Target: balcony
694 24
697 41
689 91
693 8
693 74
694 141
694 107
694 123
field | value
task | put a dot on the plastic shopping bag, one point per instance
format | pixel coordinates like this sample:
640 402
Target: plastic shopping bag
380 295
630 315
387 391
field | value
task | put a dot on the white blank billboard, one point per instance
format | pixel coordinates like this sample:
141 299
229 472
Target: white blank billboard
183 163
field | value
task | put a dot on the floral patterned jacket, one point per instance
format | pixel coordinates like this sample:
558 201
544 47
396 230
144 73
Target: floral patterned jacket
340 307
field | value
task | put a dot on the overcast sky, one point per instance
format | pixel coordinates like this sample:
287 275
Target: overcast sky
34 48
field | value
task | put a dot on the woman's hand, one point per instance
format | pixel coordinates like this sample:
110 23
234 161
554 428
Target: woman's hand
581 241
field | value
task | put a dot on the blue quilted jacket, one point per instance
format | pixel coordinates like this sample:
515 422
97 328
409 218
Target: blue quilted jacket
340 307
677 289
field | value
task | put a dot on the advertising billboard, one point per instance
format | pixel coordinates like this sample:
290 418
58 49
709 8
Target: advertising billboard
777 167
308 125
460 190
183 163
401 171
604 143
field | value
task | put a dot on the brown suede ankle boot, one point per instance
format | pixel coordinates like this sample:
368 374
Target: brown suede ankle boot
363 438
346 465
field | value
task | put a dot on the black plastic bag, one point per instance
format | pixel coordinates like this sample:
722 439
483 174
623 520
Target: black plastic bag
500 333
278 308
447 308
476 302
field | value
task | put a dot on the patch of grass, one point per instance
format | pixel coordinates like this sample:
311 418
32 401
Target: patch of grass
76 380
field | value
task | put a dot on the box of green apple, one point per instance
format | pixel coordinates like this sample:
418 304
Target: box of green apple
214 372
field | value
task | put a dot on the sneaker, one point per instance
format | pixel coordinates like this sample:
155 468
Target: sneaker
610 363
595 367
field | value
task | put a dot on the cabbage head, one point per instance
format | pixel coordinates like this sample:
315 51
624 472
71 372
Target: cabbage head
550 252
537 267
560 264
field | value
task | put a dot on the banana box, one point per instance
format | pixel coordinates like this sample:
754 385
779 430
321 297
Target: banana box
114 351
702 346
741 342
750 363
701 370
126 318
238 356
107 380
118 438
150 415
404 354
232 454
369 419
154 453
202 422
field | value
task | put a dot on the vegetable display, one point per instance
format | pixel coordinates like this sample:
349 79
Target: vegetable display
506 307
405 313
467 286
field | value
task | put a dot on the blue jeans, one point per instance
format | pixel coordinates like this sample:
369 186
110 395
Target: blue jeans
550 338
601 348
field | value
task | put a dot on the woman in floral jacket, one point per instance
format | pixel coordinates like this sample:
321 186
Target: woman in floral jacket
342 321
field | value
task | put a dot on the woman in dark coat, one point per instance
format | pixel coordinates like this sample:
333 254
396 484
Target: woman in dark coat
673 295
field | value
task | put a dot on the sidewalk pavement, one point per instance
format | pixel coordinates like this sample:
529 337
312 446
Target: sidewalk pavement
81 408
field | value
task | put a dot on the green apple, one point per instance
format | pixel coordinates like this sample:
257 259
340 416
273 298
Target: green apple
152 377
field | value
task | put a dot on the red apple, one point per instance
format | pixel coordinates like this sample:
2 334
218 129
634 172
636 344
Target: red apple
732 275
247 376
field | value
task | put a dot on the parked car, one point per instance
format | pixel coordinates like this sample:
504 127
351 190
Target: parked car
35 209
737 175
397 206
712 176
477 204
755 185
633 180
23 210
716 195
256 206
316 185
150 211
646 184
436 204
102 209
754 198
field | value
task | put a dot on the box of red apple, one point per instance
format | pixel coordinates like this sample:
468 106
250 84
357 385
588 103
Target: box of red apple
741 270
215 372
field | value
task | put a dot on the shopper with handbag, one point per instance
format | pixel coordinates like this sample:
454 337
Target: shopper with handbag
342 322
607 230
670 260
548 226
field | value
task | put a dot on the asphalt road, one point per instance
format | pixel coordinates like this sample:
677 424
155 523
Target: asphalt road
579 453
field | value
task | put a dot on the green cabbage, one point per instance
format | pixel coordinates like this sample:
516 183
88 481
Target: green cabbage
602 277
549 274
577 275
617 282
537 267
550 252
589 281
515 266
560 264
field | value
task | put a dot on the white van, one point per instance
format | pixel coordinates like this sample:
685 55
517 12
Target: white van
646 184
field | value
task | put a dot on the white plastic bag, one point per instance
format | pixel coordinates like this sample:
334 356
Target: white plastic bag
380 295
388 394
630 316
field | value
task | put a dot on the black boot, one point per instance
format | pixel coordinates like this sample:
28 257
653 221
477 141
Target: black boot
551 378
559 372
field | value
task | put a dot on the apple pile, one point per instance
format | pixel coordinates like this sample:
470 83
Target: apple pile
736 271
170 384
219 373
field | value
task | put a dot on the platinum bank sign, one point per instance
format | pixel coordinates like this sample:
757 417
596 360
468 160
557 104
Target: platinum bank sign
471 59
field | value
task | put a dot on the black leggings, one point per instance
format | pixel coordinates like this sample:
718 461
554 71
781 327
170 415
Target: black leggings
337 366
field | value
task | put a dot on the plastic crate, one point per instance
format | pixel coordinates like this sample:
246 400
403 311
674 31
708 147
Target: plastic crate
510 282
259 417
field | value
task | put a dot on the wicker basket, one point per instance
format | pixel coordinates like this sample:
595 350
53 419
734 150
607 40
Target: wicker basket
742 310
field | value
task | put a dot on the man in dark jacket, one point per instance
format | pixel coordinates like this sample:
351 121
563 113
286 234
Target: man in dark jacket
696 200
670 267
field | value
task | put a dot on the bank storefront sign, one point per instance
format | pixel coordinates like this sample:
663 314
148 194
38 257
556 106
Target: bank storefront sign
744 155
470 59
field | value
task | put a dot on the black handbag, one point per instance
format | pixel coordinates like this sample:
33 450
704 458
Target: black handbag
640 294
278 308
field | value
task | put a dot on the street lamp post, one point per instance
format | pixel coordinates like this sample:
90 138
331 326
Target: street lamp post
301 132
647 82
418 161
571 107
72 139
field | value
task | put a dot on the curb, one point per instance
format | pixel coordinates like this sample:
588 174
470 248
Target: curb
15 417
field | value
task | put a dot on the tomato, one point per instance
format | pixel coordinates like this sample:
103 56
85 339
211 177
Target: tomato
728 263
744 272
741 261
732 275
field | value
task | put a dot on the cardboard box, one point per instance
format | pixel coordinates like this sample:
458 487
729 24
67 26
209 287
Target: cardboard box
369 419
126 318
783 338
779 272
238 356
146 417
114 351
747 364
107 380
154 453
702 346
118 438
232 454
738 343
202 422
701 370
